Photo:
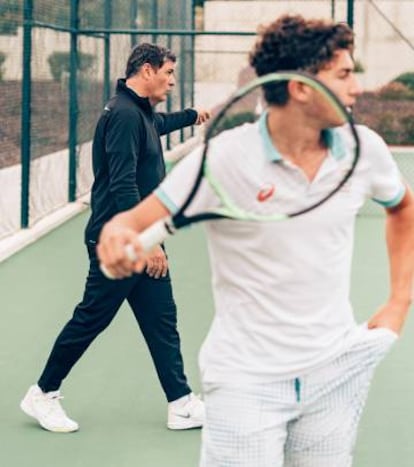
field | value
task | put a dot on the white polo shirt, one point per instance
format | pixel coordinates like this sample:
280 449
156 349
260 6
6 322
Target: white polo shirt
281 289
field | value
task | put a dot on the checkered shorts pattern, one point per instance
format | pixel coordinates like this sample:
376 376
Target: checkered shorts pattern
309 421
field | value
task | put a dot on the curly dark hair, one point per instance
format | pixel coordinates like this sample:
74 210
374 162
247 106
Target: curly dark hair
295 43
153 54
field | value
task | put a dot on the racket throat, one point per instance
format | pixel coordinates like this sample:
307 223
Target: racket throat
169 226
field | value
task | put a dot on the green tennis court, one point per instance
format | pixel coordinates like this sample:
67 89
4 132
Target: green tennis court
113 391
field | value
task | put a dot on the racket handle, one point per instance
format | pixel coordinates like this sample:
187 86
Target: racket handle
156 234
105 272
150 237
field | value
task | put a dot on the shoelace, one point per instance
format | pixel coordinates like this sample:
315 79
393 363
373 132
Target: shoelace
53 405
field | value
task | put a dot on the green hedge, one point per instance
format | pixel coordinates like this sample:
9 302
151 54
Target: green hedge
59 63
396 90
407 79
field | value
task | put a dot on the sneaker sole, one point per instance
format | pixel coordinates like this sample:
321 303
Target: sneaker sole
27 409
185 426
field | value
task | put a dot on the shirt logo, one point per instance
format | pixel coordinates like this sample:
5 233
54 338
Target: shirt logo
266 192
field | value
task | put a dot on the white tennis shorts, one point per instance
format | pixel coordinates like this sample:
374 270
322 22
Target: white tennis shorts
309 421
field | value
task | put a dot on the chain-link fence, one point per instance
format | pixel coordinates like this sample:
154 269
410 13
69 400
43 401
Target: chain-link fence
59 61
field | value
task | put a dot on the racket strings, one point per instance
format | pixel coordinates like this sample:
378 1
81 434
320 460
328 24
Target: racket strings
237 162
247 184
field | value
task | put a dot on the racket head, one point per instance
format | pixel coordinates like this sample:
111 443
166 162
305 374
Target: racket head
245 107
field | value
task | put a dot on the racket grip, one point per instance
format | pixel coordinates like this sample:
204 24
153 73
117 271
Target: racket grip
149 238
156 234
105 272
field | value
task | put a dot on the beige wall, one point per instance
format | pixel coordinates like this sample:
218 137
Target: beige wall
219 59
383 53
12 46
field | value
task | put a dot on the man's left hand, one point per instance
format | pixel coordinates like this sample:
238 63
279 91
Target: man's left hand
157 264
202 116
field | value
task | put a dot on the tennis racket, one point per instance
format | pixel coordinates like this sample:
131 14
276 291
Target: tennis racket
245 106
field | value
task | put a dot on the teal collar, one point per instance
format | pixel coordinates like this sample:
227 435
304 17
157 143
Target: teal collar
332 138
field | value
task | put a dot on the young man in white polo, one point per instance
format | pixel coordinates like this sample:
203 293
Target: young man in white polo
285 367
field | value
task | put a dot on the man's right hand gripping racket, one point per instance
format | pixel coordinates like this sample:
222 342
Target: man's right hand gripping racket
233 200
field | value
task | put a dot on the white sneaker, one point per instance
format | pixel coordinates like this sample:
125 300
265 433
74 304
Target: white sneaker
186 412
46 409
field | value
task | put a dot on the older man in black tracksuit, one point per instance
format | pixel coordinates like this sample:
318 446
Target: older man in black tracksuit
128 164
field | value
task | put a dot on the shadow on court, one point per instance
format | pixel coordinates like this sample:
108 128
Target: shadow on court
113 392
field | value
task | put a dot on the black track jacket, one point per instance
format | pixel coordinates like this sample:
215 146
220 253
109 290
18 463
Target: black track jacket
127 155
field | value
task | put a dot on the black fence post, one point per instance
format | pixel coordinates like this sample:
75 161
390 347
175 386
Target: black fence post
183 78
73 97
133 13
183 64
192 58
26 111
107 51
169 102
350 14
154 18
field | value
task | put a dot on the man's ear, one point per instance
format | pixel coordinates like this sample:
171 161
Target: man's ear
147 71
299 91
